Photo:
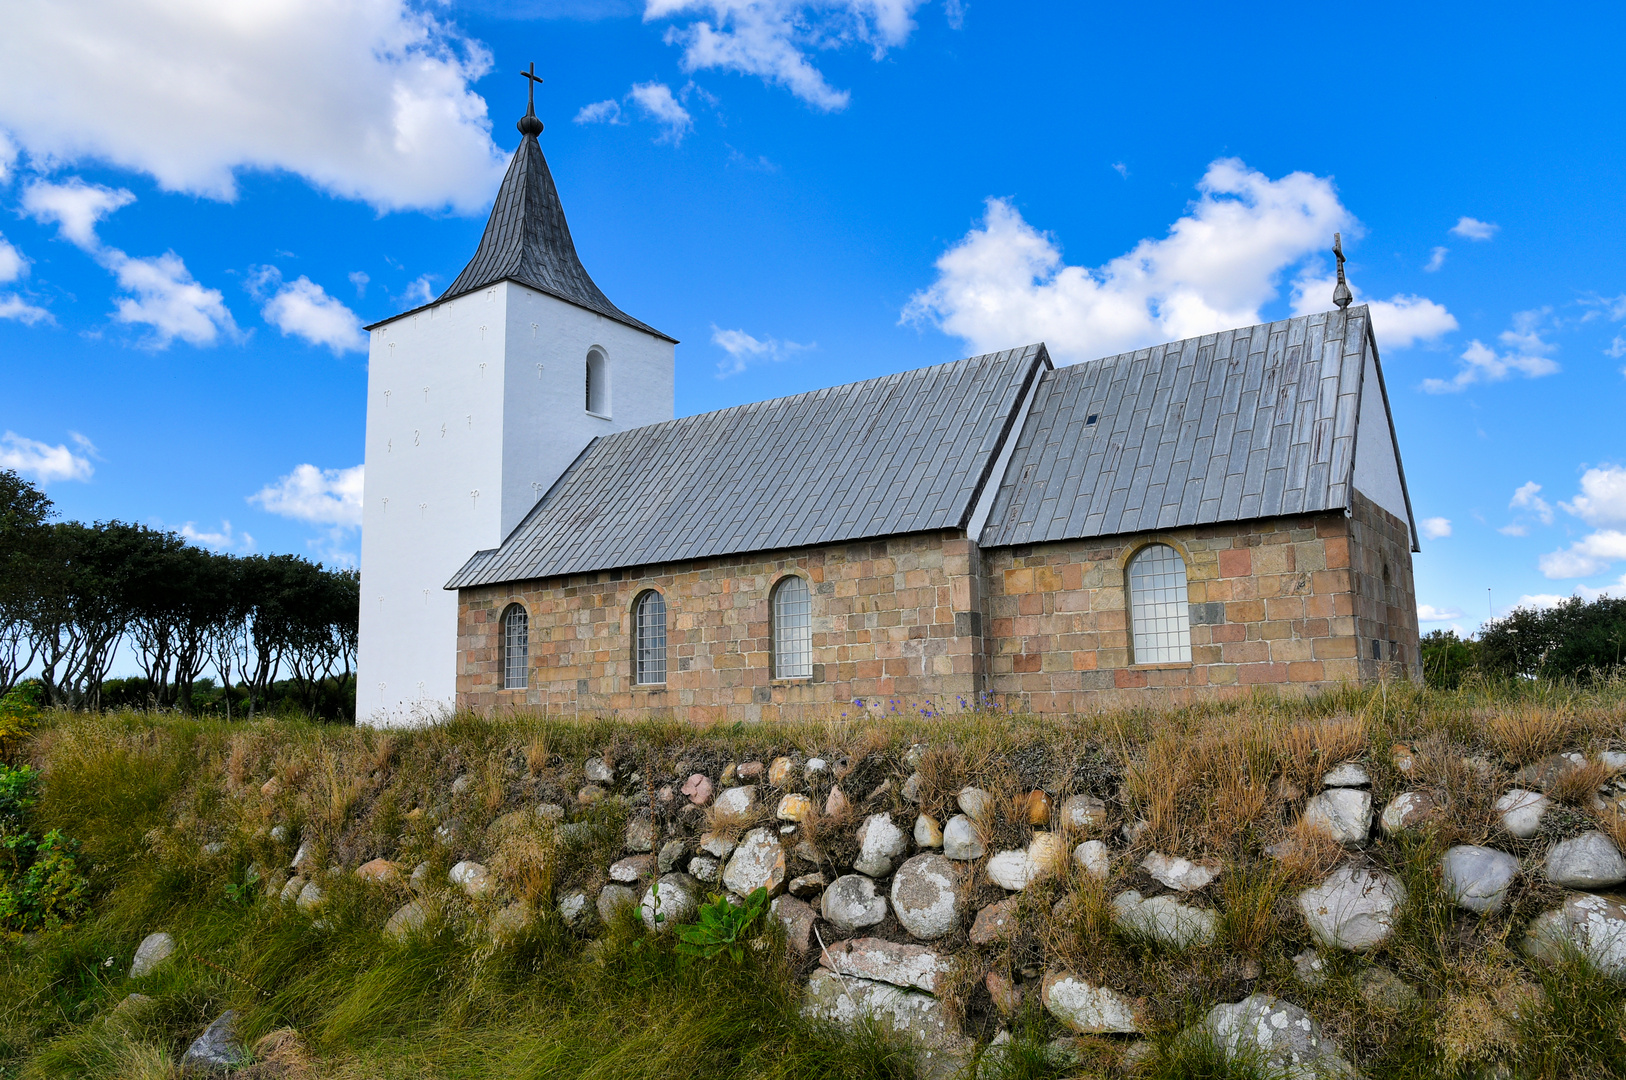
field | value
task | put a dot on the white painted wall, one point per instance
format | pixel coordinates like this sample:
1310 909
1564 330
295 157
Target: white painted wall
1377 462
484 393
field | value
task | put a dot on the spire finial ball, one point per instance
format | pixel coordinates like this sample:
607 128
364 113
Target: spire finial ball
529 124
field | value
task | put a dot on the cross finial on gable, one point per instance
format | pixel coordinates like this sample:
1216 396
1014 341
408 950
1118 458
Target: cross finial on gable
529 124
1341 296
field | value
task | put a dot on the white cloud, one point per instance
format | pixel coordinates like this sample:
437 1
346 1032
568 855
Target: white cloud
1526 497
1473 229
168 299
1603 496
8 157
771 38
319 496
1006 282
1515 528
44 462
14 266
1539 600
1430 613
164 295
1399 322
1524 353
15 307
1121 169
743 350
12 263
1586 556
368 99
607 111
359 279
657 102
1436 528
74 207
223 539
303 309
1436 259
1616 349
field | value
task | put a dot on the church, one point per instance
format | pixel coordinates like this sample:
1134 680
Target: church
1192 520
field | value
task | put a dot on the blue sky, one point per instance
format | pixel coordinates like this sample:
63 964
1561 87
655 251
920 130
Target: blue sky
201 203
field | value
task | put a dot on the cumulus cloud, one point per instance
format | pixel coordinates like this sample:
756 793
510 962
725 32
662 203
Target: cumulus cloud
14 267
1006 282
1586 556
224 538
1473 229
772 39
1436 528
1527 497
319 496
367 99
657 102
1539 600
44 462
1523 353
1430 613
1436 259
1603 496
303 309
165 297
160 292
607 111
74 207
744 350
1399 322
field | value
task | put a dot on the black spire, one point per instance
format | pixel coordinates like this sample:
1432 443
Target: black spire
527 240
1341 296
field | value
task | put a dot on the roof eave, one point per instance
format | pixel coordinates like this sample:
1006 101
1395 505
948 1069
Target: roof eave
625 320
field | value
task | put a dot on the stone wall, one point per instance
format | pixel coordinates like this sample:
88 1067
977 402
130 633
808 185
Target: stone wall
1293 602
884 624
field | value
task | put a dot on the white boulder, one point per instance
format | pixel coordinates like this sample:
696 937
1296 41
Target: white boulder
1164 920
924 896
849 903
1089 1009
1345 814
962 839
1352 909
152 952
1178 873
1477 877
758 863
879 842
1589 861
1521 812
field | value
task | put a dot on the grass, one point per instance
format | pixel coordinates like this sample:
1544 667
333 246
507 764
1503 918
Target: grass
336 998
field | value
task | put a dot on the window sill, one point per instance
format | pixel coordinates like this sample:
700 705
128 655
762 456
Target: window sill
649 686
800 680
1177 666
597 415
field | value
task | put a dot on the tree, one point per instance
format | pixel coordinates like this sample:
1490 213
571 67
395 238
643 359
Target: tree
24 510
1447 658
1571 640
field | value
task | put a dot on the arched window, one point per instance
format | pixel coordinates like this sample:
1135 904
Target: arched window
598 384
516 648
792 629
649 637
1159 615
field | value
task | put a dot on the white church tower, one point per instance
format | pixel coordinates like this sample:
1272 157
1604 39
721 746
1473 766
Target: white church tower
476 404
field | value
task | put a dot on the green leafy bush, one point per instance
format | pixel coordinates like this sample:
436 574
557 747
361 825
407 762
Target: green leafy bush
720 927
1571 640
40 882
1448 658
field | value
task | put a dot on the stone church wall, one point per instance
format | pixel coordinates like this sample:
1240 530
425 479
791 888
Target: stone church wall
932 620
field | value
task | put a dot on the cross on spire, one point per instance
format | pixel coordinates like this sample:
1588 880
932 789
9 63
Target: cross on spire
1341 296
529 124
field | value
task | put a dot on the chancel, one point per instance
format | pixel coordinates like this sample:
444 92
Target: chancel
1186 521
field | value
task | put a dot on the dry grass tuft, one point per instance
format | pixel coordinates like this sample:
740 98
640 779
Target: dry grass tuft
537 753
1578 785
1524 733
1308 853
527 861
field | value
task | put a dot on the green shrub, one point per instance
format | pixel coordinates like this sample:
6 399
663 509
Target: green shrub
1447 658
40 883
720 927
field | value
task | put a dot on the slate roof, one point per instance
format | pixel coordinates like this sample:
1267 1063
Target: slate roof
1252 423
527 240
905 453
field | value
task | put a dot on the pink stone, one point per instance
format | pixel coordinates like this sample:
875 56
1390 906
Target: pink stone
698 789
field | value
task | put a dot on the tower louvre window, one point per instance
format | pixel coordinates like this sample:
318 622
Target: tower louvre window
1159 615
649 638
792 629
598 384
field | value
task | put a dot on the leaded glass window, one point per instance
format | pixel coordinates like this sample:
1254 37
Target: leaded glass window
649 638
516 647
1159 614
792 629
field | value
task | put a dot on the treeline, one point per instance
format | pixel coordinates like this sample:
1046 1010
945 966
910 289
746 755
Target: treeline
272 629
1574 640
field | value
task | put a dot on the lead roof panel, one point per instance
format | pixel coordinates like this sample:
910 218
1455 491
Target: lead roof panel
905 453
1251 423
